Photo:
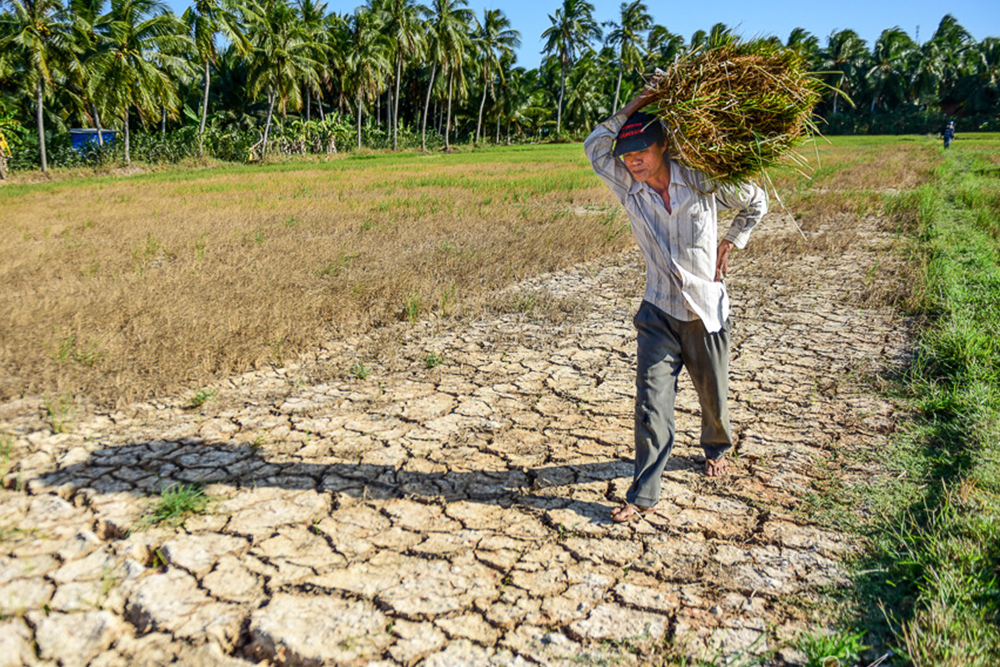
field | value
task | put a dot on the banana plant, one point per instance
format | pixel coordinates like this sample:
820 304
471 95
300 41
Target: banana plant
11 133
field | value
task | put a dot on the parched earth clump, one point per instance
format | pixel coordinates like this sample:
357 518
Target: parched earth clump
445 500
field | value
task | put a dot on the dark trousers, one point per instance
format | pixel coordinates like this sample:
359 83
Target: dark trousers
665 345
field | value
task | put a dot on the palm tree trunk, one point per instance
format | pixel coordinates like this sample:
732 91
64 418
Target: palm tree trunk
97 123
388 112
267 124
204 109
482 103
562 93
128 154
618 89
163 120
308 106
498 128
319 105
427 103
395 111
447 125
359 119
41 125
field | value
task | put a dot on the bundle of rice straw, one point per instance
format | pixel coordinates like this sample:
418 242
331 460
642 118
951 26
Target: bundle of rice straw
736 108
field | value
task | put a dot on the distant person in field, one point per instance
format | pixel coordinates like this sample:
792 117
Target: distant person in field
948 133
684 317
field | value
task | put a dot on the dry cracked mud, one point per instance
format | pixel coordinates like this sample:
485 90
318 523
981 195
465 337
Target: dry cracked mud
451 507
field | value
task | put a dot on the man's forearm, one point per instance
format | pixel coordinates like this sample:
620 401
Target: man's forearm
644 97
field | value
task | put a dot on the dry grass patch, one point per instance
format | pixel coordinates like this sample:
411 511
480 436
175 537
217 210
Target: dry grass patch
122 288
828 216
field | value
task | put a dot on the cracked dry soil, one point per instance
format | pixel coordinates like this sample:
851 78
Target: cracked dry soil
456 514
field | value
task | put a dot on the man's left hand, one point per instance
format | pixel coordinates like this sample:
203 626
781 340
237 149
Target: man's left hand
722 262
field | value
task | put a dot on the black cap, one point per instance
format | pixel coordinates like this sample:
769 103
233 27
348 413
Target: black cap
640 131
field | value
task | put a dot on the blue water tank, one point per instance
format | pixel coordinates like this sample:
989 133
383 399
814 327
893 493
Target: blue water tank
86 136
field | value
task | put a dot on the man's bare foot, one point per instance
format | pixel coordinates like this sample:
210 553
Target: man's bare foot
629 512
716 467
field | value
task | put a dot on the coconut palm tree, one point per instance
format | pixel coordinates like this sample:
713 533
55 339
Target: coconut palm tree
662 47
586 93
405 27
889 71
83 15
207 20
494 39
573 27
845 56
312 14
807 44
448 31
985 93
507 92
282 59
627 37
136 59
38 33
948 48
368 62
336 38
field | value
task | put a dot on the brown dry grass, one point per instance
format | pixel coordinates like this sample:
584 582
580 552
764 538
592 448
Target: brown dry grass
123 288
830 215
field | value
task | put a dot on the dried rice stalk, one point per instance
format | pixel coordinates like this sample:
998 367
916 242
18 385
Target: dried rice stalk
737 108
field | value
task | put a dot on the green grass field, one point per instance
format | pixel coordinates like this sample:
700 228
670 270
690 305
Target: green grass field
931 583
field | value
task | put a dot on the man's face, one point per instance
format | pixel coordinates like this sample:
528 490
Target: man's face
646 163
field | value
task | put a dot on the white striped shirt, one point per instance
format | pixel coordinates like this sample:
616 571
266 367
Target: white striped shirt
680 248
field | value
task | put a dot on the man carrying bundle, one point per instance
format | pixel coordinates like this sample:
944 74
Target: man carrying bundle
684 317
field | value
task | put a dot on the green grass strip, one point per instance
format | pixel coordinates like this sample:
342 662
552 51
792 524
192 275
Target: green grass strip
930 588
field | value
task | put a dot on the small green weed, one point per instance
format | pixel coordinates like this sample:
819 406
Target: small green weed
70 351
6 445
336 266
358 371
613 229
202 397
831 649
177 502
411 309
433 359
200 246
60 411
150 250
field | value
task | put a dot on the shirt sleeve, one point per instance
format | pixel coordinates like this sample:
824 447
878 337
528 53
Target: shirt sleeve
599 146
750 202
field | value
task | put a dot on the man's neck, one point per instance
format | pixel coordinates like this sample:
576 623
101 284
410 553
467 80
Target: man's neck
660 181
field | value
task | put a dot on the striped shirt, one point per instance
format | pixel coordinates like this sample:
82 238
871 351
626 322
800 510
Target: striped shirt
680 248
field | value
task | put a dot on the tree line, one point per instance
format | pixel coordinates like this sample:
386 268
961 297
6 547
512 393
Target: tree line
241 79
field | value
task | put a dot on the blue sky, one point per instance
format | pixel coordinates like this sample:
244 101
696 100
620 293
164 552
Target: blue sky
775 17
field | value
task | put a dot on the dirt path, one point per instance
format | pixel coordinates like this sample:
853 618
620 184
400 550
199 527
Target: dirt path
455 513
